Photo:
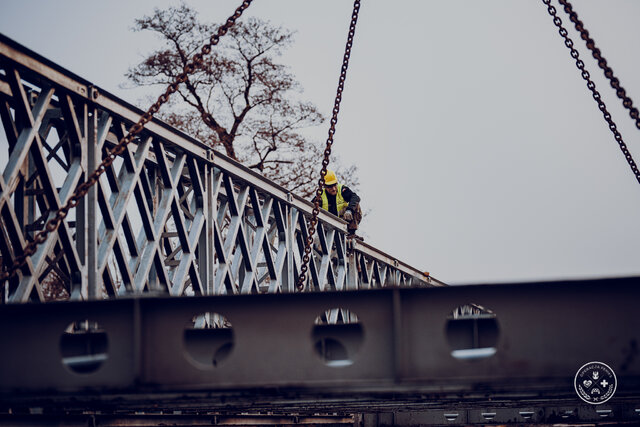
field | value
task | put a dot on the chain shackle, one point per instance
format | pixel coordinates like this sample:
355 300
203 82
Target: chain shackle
602 62
592 87
327 152
83 188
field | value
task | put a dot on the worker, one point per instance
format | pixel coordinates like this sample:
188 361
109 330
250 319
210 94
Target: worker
341 201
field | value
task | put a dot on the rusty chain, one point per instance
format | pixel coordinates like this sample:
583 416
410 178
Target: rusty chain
592 87
327 152
602 62
83 188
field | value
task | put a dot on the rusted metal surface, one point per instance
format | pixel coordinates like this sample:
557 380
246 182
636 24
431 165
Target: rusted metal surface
592 87
158 419
327 151
627 102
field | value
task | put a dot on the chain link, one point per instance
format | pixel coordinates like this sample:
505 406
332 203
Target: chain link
602 62
327 151
592 87
82 189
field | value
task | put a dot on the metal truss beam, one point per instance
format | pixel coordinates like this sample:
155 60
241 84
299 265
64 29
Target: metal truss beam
169 215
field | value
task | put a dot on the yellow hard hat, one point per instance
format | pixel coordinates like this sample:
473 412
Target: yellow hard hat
330 178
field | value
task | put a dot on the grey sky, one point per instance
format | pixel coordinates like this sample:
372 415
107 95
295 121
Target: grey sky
482 155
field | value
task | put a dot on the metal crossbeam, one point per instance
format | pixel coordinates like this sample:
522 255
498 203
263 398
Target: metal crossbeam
395 352
179 419
169 215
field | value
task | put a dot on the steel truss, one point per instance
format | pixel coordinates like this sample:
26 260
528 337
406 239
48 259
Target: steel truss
169 215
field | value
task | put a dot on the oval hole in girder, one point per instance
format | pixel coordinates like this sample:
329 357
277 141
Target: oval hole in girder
472 332
84 346
208 339
337 336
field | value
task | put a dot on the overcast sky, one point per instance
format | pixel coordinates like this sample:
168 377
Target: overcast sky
482 156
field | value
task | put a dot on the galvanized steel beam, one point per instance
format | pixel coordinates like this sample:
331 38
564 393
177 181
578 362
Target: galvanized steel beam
399 349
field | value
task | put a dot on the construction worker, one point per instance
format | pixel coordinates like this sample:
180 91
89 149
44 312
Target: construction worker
341 201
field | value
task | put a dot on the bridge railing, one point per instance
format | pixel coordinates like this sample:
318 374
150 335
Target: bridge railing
169 215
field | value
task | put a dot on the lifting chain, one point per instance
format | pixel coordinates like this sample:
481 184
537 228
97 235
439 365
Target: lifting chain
82 189
592 87
327 151
602 62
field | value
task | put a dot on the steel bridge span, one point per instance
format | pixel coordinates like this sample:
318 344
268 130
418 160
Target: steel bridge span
370 340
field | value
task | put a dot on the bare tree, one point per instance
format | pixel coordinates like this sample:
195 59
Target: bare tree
240 100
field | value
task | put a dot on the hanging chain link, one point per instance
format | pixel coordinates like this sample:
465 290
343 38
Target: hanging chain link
83 188
602 62
592 87
327 151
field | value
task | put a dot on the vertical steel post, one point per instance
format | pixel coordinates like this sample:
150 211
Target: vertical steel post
352 275
205 247
93 285
214 183
288 279
82 231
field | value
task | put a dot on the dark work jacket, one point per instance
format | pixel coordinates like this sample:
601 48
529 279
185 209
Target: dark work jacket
349 196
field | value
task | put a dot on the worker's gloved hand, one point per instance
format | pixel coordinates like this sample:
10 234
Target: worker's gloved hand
348 216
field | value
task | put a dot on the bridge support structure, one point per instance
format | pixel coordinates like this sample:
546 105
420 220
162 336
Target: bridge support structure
404 354
170 215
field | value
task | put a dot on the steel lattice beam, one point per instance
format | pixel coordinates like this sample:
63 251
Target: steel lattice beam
169 215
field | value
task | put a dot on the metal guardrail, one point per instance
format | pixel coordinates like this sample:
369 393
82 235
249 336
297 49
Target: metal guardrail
169 215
